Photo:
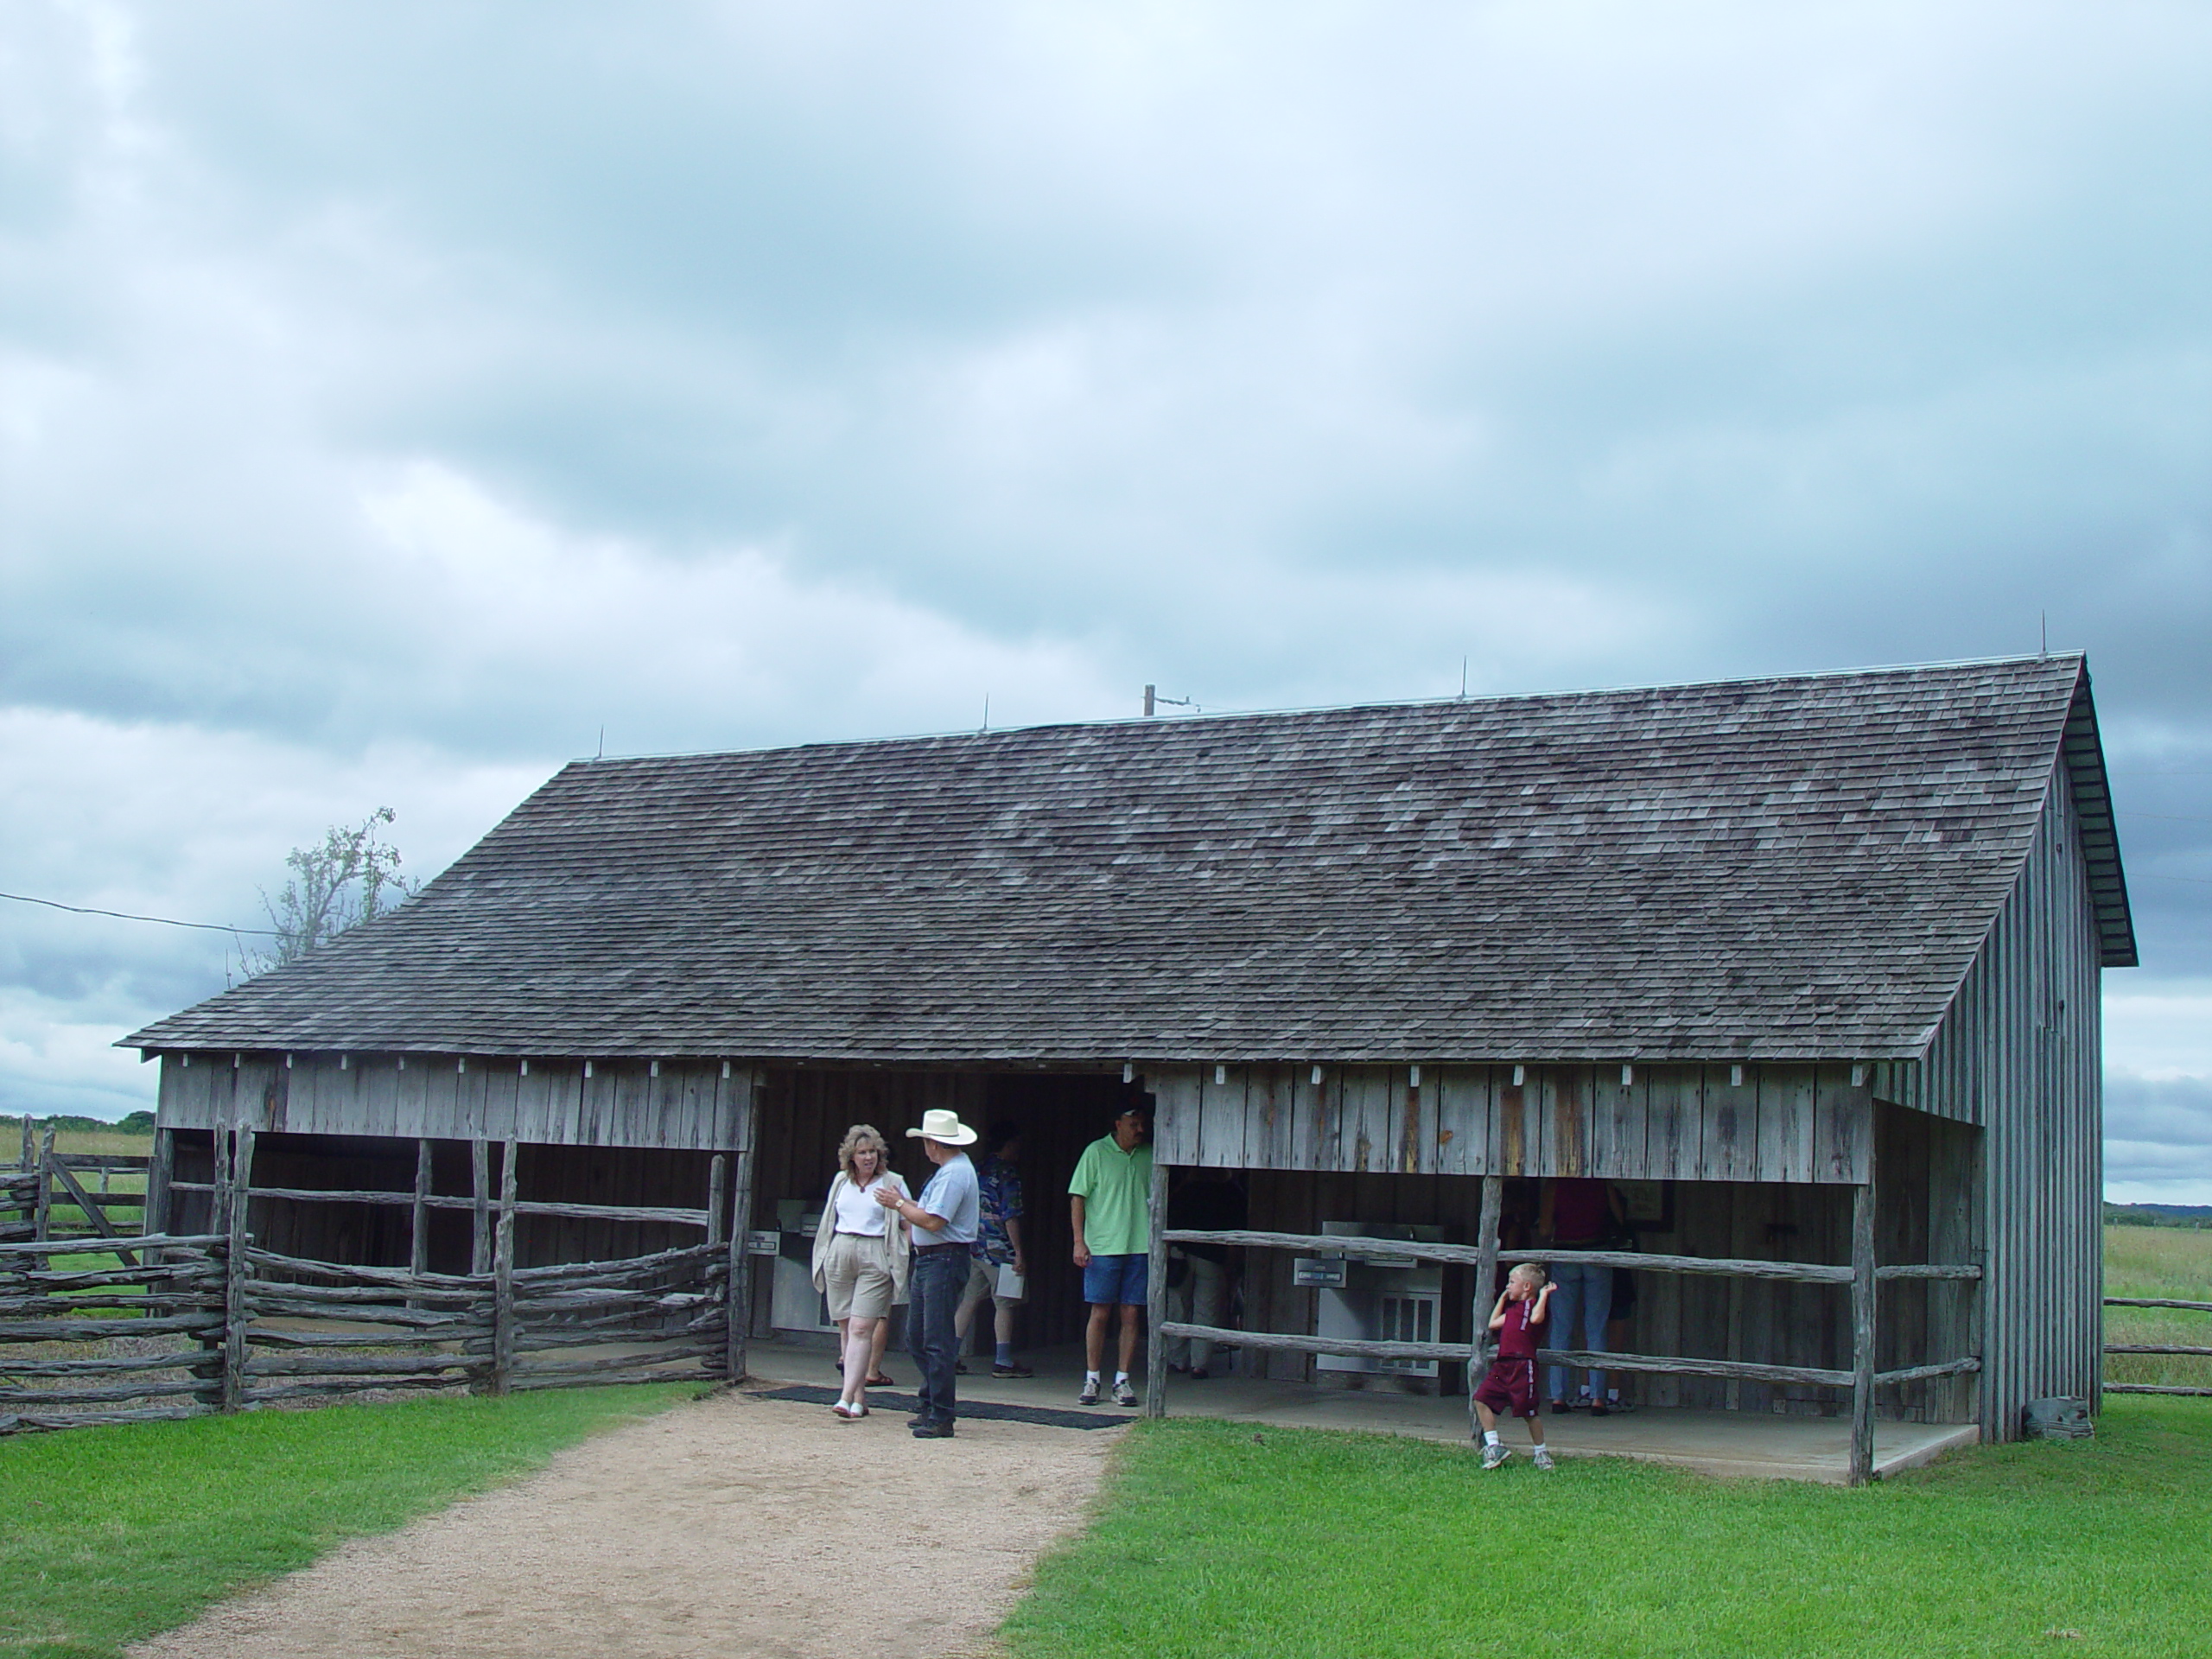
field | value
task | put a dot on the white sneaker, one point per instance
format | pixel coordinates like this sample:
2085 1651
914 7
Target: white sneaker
1090 1395
1541 1458
1494 1455
1124 1394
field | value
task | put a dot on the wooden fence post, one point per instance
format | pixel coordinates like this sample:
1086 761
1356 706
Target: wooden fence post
1865 1289
479 1246
418 1255
30 1144
160 1169
503 1287
234 1272
1485 1292
1155 1297
717 1196
738 1288
42 1221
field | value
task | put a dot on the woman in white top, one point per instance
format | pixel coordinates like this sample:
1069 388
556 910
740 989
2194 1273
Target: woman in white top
861 1257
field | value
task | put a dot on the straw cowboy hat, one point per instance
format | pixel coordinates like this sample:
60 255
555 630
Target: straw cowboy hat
938 1125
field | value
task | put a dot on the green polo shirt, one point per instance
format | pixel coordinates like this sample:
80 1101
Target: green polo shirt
1116 1187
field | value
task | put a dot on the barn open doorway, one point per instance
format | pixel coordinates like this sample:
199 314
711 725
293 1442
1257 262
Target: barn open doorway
805 1113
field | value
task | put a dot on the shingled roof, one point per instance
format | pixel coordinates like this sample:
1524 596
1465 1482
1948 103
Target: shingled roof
1781 868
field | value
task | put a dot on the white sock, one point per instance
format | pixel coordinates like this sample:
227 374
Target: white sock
1092 1378
1489 1437
1119 1377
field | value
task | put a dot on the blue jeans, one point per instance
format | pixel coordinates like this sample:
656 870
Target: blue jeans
933 1292
1584 1298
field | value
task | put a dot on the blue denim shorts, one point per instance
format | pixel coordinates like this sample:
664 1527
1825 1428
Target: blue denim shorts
1115 1279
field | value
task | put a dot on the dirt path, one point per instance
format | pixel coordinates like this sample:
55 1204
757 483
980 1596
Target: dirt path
734 1527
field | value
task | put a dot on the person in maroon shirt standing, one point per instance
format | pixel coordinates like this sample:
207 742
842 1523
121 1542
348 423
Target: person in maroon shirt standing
1578 1214
1523 1309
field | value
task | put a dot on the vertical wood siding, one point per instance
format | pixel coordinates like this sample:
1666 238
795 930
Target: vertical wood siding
689 1106
2019 1053
1782 1122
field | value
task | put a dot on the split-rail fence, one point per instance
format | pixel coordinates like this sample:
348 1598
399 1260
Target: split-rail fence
2199 1350
102 1327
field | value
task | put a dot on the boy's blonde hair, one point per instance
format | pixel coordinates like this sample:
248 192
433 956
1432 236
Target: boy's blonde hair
1530 1272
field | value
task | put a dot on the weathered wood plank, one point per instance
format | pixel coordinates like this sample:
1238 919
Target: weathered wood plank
1221 1118
1863 1287
1484 1291
503 1271
1324 1244
1155 1357
1462 1120
234 1338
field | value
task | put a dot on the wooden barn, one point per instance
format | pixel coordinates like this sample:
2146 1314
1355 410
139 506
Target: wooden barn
1807 966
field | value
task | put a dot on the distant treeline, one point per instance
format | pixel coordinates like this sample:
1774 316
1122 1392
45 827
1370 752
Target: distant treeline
2159 1214
135 1123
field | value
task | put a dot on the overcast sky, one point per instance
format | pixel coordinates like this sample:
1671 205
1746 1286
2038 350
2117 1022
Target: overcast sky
392 397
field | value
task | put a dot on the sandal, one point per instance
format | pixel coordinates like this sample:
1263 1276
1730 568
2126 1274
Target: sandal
879 1381
850 1413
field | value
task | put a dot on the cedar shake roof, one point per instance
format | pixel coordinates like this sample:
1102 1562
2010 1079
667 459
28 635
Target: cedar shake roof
1781 868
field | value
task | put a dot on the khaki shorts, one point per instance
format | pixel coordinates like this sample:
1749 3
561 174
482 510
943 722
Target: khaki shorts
856 1275
983 1281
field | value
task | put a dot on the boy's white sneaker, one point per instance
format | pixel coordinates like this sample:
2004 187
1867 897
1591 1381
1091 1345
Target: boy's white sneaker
1541 1458
1494 1455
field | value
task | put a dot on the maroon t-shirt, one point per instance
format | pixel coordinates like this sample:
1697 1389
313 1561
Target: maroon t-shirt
1517 1337
1579 1212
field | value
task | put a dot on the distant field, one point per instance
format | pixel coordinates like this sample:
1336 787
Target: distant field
115 1141
2174 1261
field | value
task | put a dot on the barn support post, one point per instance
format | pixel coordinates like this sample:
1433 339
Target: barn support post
1865 1290
717 1196
479 1169
1155 1297
1484 1289
739 1284
503 1285
235 1314
418 1255
161 1169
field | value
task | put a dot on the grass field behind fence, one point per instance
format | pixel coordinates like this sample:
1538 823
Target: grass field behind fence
2172 1261
109 1534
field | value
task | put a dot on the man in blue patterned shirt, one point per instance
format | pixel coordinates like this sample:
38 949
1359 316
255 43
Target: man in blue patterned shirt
998 1248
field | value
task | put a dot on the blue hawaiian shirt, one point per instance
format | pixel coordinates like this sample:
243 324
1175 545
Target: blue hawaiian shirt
1000 1187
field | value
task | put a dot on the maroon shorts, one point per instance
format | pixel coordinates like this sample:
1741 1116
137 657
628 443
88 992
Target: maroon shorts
1511 1387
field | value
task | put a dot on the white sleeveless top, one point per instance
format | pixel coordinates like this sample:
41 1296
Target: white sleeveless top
857 1210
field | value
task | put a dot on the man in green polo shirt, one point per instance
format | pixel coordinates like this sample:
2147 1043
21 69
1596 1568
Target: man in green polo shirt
1109 1198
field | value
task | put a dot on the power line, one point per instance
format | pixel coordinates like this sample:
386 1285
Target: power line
127 916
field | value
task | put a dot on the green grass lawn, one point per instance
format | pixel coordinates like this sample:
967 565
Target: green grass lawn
1215 1539
109 1534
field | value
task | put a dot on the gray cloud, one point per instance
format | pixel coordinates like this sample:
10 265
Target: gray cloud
2158 1130
413 377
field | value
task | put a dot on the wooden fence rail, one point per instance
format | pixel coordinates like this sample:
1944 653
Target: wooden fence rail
186 1325
1860 1277
2187 1350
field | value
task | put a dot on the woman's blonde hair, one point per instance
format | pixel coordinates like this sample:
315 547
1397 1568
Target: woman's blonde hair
858 1138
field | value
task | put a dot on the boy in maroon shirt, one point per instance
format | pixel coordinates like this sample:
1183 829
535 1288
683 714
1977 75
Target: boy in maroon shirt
1521 1311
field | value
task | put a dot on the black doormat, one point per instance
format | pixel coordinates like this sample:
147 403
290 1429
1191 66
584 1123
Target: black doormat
881 1399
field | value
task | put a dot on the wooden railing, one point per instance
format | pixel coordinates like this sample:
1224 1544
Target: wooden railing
2196 1350
160 1326
1861 1277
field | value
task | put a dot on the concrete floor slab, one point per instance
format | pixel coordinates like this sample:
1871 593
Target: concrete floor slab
1740 1445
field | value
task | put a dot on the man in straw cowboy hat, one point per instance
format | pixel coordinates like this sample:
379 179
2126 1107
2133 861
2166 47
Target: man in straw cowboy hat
945 1219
